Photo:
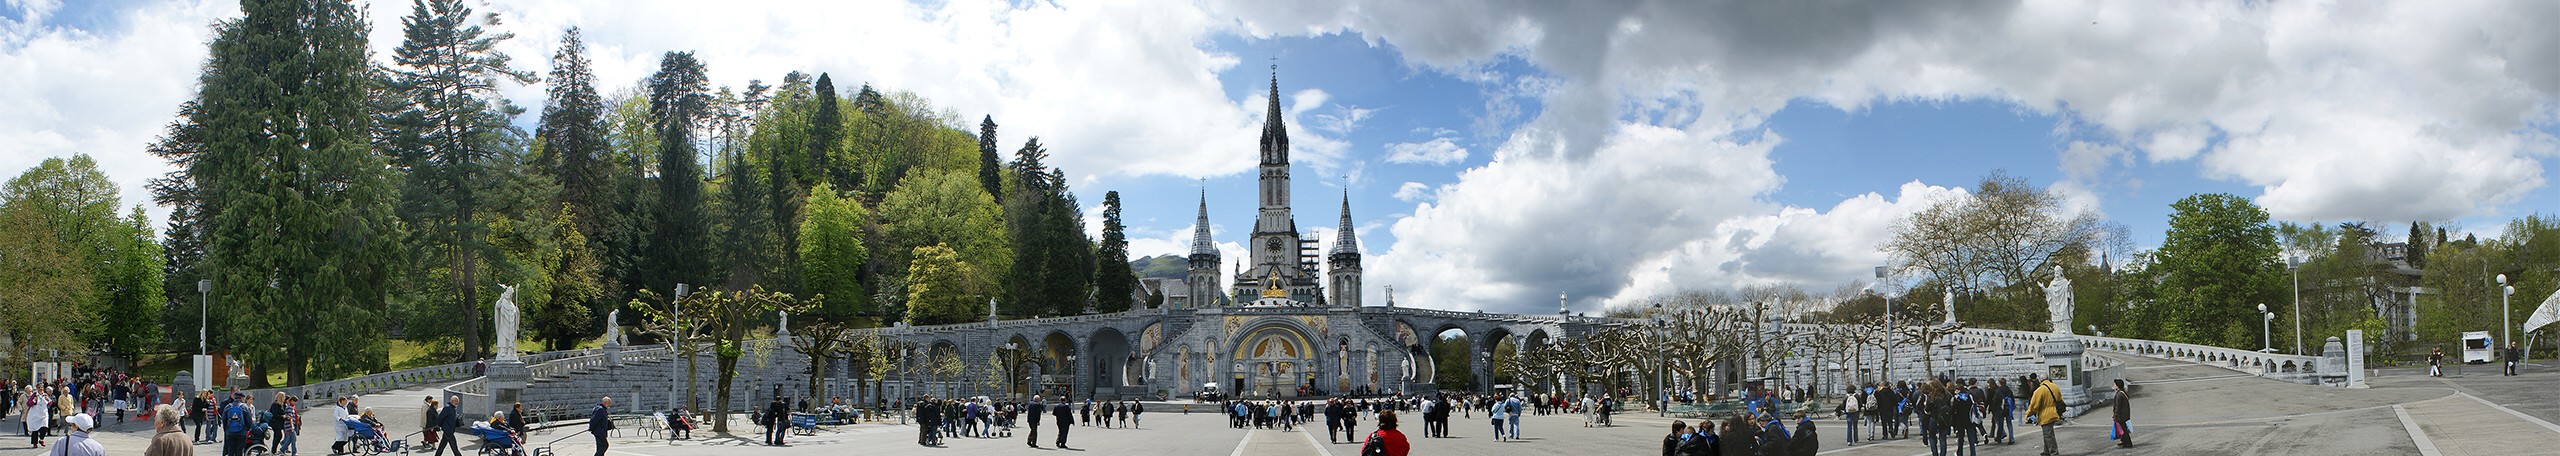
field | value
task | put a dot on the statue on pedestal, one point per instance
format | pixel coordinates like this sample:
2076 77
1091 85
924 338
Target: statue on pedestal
2057 300
506 314
613 327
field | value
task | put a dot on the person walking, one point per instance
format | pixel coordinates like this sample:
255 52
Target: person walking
39 417
1852 404
2124 412
448 420
1495 412
2045 407
1386 440
1135 409
1033 411
599 423
2515 358
202 410
1514 404
1961 416
170 437
2435 363
777 412
1065 415
78 443
236 421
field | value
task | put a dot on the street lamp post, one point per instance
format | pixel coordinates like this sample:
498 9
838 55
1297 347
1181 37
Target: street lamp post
2295 265
2266 329
1661 357
204 313
2505 312
1017 365
1888 327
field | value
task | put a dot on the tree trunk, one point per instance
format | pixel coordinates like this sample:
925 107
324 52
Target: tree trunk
720 396
470 305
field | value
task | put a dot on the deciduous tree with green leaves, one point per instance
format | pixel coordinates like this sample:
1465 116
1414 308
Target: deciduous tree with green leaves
2218 262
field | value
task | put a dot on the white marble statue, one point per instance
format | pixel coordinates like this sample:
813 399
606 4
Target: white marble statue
785 325
613 327
507 323
2057 299
1951 305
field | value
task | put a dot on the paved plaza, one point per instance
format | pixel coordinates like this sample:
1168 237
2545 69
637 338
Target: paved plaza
2180 408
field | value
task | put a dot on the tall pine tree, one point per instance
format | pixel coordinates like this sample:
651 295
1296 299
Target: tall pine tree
299 231
1114 285
455 124
989 167
1053 261
576 154
680 246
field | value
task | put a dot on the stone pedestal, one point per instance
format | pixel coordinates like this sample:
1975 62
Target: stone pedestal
507 379
613 354
2062 364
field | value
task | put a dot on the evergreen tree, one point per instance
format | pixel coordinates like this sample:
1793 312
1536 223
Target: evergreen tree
1114 285
577 154
826 136
283 104
679 103
2417 251
447 77
183 245
1053 261
987 163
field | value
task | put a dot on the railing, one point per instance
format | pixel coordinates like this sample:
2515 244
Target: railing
2275 365
956 327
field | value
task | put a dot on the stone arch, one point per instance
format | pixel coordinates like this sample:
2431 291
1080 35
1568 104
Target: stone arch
1110 358
1274 357
1020 364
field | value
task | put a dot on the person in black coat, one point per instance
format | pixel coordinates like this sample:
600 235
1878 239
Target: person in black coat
2124 413
599 422
1033 412
449 420
1065 414
1679 435
1805 443
778 413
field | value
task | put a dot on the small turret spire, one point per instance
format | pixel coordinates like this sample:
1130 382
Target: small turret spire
1347 240
1200 242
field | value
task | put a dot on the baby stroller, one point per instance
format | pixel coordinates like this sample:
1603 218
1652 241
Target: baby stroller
363 437
498 442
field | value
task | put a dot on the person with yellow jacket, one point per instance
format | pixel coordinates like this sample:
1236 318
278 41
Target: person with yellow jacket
2045 408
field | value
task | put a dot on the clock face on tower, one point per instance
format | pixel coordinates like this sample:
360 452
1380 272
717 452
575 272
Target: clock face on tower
1274 245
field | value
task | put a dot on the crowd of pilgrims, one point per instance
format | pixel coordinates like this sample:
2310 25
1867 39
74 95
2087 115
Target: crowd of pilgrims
1952 416
41 406
983 418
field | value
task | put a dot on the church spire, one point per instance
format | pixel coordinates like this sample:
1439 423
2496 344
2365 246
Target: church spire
1275 132
1347 240
1200 242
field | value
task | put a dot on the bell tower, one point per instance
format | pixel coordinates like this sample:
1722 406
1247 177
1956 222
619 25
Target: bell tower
1344 275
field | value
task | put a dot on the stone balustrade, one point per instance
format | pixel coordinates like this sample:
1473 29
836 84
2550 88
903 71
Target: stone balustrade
2293 368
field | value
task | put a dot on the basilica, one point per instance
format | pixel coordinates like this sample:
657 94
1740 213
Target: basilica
1288 323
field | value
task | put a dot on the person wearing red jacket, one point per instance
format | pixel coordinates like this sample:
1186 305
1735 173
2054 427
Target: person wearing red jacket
1386 437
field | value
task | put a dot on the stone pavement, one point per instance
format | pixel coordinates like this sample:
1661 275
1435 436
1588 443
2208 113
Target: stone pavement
2180 408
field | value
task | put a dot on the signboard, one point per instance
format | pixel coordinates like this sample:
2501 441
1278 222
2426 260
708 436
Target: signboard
2355 358
47 371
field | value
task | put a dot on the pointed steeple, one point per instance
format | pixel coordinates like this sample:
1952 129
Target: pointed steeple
1275 132
1348 241
1200 242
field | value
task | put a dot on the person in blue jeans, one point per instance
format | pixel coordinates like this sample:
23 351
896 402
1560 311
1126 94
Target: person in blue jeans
1513 406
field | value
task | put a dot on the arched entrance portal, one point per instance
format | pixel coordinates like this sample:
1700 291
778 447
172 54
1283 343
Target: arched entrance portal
1110 360
1056 365
1273 361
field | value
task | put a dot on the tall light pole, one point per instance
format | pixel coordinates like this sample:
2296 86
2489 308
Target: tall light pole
204 313
2505 313
2294 264
1661 357
1888 327
2266 331
679 346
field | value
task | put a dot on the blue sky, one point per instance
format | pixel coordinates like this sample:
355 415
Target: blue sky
1497 154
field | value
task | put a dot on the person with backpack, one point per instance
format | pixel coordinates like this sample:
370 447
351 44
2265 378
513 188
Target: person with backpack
1966 422
1386 441
1514 404
1852 404
235 425
2044 406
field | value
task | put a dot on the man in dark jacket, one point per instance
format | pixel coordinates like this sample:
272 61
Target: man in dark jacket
1033 411
2124 412
1065 414
599 423
1806 444
1773 438
928 420
448 420
778 414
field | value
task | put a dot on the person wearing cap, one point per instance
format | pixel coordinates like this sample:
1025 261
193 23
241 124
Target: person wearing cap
78 442
235 425
172 440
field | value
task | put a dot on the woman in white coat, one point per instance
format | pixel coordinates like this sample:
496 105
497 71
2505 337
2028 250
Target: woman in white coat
39 415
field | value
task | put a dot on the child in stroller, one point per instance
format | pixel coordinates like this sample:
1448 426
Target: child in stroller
258 435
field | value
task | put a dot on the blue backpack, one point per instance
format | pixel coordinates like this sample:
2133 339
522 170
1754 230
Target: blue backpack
235 418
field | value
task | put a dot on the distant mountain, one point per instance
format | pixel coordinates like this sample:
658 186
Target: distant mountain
1161 267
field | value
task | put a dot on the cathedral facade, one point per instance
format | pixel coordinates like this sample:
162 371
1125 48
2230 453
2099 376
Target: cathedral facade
1288 323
